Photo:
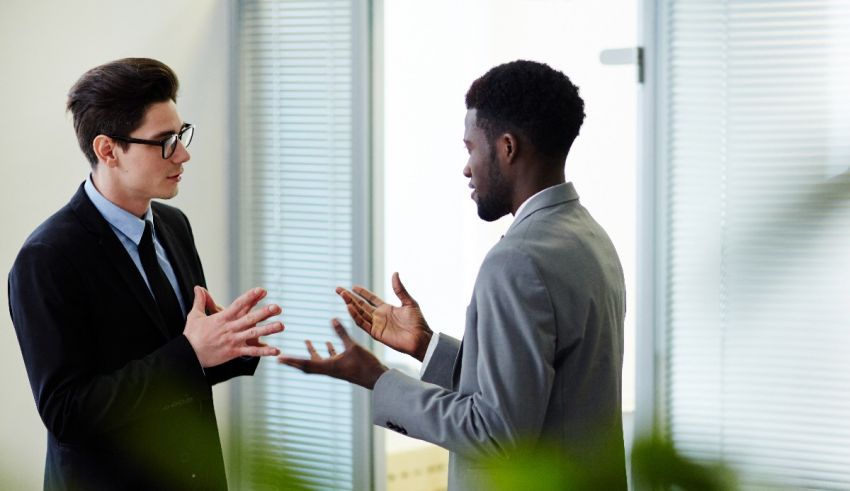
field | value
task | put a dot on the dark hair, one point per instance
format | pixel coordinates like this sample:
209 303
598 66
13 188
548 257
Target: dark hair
532 100
111 99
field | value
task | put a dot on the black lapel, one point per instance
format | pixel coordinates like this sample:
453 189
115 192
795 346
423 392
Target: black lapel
179 262
117 255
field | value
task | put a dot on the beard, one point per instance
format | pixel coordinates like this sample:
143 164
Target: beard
496 203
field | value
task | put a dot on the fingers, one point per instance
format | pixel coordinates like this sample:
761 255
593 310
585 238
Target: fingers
352 299
401 291
210 306
342 333
260 350
245 302
314 355
362 321
331 350
200 300
257 332
256 316
367 295
358 309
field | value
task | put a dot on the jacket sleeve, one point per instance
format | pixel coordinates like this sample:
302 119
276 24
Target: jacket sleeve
440 367
513 324
48 304
245 365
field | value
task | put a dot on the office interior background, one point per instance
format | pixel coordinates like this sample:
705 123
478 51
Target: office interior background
329 152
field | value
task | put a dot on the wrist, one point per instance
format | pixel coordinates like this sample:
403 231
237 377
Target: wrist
194 344
424 342
375 375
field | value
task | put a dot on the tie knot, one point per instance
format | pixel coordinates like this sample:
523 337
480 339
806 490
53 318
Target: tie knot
146 243
148 233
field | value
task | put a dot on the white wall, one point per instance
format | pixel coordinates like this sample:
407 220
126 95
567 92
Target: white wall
44 47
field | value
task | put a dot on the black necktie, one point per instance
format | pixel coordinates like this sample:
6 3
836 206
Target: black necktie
163 293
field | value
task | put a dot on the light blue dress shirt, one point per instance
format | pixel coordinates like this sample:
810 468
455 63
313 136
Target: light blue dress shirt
129 229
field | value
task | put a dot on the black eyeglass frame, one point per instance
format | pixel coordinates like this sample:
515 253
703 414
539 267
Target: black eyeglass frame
168 144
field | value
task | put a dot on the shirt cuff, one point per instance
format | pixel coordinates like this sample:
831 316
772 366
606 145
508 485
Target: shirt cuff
430 351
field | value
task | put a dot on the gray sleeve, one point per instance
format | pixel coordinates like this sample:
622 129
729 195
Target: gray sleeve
439 367
503 398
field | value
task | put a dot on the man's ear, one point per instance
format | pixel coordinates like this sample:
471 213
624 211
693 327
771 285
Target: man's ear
507 146
104 150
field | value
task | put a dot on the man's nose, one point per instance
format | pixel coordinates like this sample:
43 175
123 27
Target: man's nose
181 153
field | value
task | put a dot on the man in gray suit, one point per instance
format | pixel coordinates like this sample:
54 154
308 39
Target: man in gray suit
541 356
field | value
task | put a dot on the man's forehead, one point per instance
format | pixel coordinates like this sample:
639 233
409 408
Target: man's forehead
162 116
470 117
470 125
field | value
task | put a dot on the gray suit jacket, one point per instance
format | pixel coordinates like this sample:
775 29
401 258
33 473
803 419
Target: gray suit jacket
541 356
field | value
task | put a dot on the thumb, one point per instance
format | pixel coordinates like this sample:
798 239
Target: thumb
401 291
210 305
200 301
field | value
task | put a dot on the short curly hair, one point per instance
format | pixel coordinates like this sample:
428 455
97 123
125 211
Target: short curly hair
531 99
111 99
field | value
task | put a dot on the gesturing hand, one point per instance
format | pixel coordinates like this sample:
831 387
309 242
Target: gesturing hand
356 364
231 332
401 328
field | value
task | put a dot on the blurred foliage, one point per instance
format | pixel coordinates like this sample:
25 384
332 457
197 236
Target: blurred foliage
656 465
267 469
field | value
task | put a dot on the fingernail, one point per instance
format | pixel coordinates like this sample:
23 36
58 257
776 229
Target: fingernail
274 309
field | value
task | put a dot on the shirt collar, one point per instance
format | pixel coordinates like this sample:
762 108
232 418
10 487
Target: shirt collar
519 210
122 220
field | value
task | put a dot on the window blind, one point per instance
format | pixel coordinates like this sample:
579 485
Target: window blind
301 210
755 236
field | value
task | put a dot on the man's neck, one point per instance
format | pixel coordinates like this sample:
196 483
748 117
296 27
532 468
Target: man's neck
533 185
109 190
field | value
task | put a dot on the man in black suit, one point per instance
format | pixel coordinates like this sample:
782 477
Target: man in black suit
121 341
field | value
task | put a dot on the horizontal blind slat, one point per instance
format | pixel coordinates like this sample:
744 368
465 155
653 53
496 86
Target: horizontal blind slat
297 129
757 237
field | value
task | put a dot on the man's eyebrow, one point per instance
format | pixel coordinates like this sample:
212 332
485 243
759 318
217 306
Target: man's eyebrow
166 133
162 134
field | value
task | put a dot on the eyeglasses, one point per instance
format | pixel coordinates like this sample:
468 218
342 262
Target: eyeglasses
168 144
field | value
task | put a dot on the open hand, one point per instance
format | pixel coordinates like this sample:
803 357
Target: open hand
401 328
356 364
230 332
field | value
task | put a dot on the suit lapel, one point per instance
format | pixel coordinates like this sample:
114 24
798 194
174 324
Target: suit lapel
116 254
179 263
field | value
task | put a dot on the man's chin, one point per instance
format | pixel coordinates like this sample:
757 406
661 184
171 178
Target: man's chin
169 194
490 215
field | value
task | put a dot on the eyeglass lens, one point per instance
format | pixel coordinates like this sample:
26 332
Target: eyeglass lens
170 144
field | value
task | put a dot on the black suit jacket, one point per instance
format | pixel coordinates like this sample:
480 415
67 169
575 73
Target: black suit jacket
126 403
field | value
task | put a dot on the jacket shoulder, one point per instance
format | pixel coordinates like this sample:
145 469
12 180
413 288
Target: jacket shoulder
176 220
171 214
62 229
